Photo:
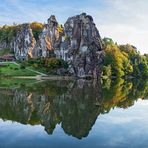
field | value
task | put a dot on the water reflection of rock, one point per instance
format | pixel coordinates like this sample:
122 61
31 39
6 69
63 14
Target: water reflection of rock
74 105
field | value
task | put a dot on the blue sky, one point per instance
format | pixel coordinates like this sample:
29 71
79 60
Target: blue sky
126 21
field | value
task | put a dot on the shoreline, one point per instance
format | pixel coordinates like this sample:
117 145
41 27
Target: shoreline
58 77
40 77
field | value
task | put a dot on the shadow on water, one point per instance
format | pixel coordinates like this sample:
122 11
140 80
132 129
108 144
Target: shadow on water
74 104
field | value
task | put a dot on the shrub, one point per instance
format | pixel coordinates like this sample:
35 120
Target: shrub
36 29
31 61
60 29
15 68
53 63
22 66
107 71
35 65
67 38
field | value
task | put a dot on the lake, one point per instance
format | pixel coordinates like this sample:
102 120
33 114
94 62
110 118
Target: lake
73 114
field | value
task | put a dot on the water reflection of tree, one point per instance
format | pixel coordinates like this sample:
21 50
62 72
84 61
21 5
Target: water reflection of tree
123 93
74 105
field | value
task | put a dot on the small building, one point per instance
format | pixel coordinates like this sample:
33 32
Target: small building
8 57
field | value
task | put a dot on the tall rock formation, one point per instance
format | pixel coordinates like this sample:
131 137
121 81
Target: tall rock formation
82 47
50 39
24 43
78 43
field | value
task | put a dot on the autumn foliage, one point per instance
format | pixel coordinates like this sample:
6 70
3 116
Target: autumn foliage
123 60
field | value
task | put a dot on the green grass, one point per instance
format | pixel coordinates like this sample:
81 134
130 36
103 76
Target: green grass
41 69
14 70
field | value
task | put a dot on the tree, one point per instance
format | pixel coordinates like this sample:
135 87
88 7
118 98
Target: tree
113 57
124 60
36 29
107 71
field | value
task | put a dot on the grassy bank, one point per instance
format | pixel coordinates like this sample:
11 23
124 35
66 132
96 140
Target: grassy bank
10 70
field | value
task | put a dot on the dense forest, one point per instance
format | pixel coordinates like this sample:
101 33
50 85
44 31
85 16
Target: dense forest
119 61
123 60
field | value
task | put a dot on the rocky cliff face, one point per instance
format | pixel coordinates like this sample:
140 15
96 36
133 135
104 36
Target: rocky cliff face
83 46
24 43
78 43
50 39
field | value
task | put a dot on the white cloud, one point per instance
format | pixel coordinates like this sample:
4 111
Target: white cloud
124 34
123 20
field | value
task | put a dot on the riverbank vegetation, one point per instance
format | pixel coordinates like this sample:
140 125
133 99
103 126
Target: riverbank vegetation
123 60
48 66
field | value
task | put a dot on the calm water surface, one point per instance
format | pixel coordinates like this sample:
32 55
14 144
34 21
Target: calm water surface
70 114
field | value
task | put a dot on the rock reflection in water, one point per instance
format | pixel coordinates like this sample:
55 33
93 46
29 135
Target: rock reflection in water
73 104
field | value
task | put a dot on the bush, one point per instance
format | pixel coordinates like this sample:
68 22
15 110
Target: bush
107 71
15 68
31 61
35 65
60 29
53 63
22 66
67 38
36 29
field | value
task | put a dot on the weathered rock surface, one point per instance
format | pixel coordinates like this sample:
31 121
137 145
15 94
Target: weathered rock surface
3 45
78 43
50 39
82 46
24 43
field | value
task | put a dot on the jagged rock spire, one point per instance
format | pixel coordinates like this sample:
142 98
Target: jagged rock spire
78 43
50 36
82 46
24 42
52 21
